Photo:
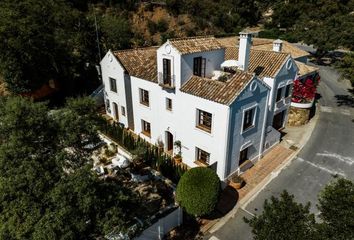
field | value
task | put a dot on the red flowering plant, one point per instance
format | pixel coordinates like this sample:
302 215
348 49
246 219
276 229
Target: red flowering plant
304 91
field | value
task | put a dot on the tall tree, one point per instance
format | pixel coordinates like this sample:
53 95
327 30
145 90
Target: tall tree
41 40
336 204
283 218
39 197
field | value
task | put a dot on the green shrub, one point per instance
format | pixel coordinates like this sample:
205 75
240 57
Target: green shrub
198 191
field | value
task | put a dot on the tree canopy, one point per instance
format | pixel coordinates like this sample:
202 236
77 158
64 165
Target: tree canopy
198 191
42 40
325 24
47 191
337 209
283 218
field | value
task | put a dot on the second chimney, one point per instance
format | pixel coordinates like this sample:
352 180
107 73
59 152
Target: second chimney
244 50
277 45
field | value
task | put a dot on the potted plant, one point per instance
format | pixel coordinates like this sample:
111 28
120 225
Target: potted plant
237 181
178 156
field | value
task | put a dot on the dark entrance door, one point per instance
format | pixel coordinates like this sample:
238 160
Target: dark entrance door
278 120
115 111
243 156
169 141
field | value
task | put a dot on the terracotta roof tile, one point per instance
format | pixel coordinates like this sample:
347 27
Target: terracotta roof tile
215 90
265 44
140 62
263 63
195 44
305 69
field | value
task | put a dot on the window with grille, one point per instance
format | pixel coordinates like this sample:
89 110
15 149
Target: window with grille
146 129
202 156
144 97
113 84
204 120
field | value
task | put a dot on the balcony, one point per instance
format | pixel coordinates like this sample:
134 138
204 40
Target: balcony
166 81
287 100
282 103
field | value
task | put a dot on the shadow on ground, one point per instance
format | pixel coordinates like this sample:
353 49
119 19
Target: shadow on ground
345 100
188 230
227 202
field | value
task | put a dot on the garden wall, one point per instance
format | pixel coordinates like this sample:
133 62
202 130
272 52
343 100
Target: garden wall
298 116
162 226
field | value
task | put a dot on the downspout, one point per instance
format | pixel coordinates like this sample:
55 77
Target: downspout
261 147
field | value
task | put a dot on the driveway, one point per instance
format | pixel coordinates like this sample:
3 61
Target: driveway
328 154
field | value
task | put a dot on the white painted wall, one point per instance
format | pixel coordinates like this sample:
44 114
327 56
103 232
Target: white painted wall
112 68
225 140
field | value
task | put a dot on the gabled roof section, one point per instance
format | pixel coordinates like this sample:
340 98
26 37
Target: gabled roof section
140 62
262 63
195 44
265 44
305 69
217 91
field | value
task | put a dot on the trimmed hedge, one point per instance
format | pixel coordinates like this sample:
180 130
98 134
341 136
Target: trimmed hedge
198 191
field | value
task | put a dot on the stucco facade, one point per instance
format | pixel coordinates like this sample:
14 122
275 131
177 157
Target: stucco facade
172 113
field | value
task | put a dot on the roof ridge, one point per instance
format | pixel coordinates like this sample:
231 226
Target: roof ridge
191 38
135 49
270 51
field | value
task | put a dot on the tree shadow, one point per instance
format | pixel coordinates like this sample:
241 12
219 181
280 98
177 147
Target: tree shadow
345 100
313 108
226 203
188 230
327 59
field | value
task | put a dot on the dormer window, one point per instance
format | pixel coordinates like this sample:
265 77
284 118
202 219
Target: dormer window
199 66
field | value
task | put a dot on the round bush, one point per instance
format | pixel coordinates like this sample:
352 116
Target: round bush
198 191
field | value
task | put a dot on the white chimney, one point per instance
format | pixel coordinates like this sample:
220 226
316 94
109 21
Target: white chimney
244 50
277 45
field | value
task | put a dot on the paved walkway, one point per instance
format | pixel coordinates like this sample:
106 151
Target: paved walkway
253 177
265 166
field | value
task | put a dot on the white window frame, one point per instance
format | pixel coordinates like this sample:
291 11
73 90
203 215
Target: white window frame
290 90
254 118
281 93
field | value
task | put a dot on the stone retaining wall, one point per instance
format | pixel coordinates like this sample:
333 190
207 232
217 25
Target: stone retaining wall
298 116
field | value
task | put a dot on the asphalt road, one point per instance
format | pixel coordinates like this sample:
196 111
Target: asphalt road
329 153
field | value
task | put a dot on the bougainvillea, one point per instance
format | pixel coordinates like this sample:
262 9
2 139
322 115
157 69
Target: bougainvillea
305 90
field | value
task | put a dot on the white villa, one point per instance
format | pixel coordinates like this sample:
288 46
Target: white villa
221 98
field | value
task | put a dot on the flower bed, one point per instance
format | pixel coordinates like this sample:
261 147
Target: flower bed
304 90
